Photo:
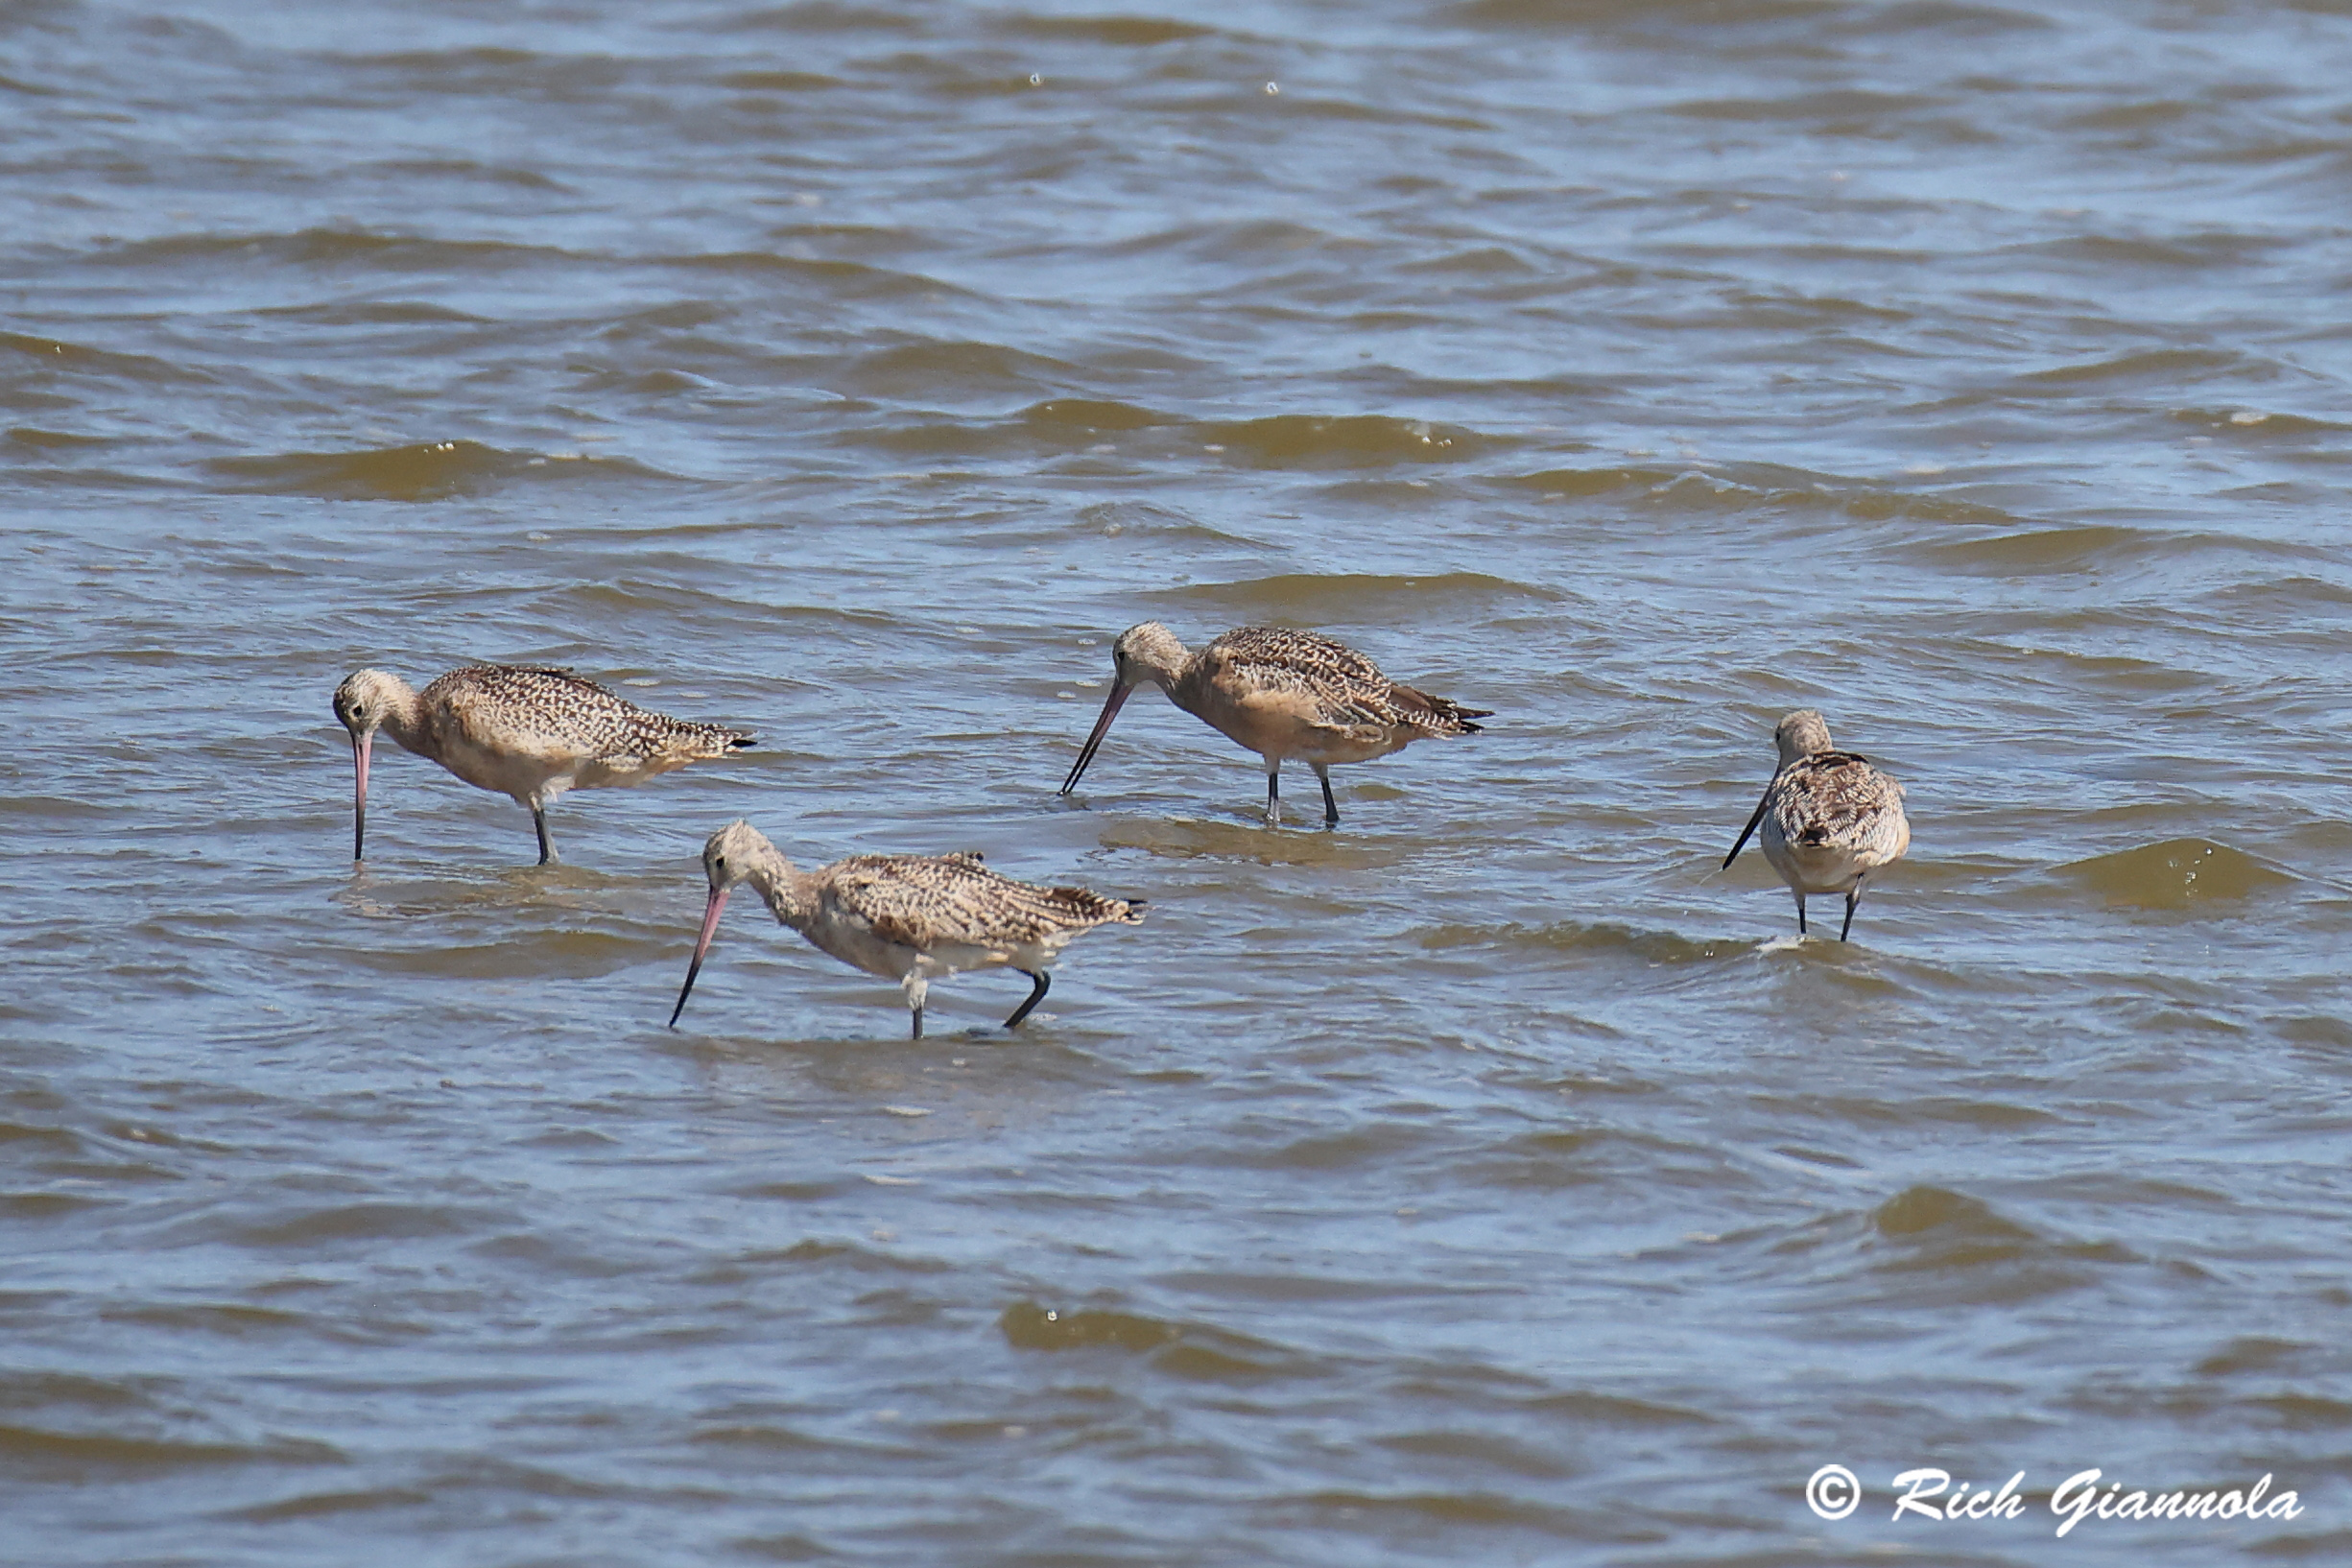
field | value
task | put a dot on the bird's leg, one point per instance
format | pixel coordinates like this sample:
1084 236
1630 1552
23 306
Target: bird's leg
917 986
1043 979
1273 792
547 848
1800 915
918 1016
1853 896
1331 807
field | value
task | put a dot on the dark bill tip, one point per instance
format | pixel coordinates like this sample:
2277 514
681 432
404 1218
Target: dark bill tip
361 745
702 950
1094 739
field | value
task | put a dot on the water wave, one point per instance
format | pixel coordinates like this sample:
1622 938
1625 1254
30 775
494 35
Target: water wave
2176 874
426 471
1337 599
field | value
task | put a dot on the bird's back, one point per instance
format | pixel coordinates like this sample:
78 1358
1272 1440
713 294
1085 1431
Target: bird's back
552 712
1835 806
1342 686
934 901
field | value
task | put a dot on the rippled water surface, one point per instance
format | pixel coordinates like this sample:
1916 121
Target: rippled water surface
1491 1180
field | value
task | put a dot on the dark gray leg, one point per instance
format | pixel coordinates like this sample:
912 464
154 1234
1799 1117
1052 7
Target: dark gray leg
917 1011
1273 795
1800 915
1331 807
547 848
1853 896
1043 979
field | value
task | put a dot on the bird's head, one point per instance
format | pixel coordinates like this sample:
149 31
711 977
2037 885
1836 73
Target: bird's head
730 855
1801 734
367 697
1147 652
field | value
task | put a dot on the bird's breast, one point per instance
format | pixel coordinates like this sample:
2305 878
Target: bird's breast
855 944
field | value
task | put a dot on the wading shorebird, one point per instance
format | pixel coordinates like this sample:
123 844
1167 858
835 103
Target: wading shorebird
526 732
909 918
1281 693
1829 818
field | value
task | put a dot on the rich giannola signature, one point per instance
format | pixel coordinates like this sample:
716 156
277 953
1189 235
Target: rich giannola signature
1834 1492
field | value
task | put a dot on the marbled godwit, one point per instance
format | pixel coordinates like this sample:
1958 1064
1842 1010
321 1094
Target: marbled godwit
905 917
1281 693
526 732
1830 819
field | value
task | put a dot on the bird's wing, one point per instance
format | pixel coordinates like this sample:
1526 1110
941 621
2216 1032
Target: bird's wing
924 901
1284 648
556 710
1344 687
1835 797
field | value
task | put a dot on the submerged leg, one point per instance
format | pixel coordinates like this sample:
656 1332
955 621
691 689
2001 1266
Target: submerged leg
917 986
1800 915
547 848
1043 979
1331 807
1853 896
1273 792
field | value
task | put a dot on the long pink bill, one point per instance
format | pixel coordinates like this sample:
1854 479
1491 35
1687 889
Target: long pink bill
1101 727
361 745
1749 828
701 948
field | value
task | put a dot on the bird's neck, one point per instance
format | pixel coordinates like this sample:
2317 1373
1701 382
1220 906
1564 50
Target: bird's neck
1183 683
790 895
405 722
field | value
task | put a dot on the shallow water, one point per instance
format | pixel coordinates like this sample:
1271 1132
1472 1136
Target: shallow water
1492 1180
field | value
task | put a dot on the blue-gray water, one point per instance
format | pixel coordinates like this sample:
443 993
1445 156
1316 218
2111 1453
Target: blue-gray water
1492 1180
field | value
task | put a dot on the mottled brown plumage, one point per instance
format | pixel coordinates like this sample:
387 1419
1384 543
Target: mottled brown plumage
524 731
906 917
1281 693
928 901
1833 797
1829 818
1346 689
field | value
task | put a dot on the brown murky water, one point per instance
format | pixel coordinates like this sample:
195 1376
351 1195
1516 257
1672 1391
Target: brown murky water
1492 1180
